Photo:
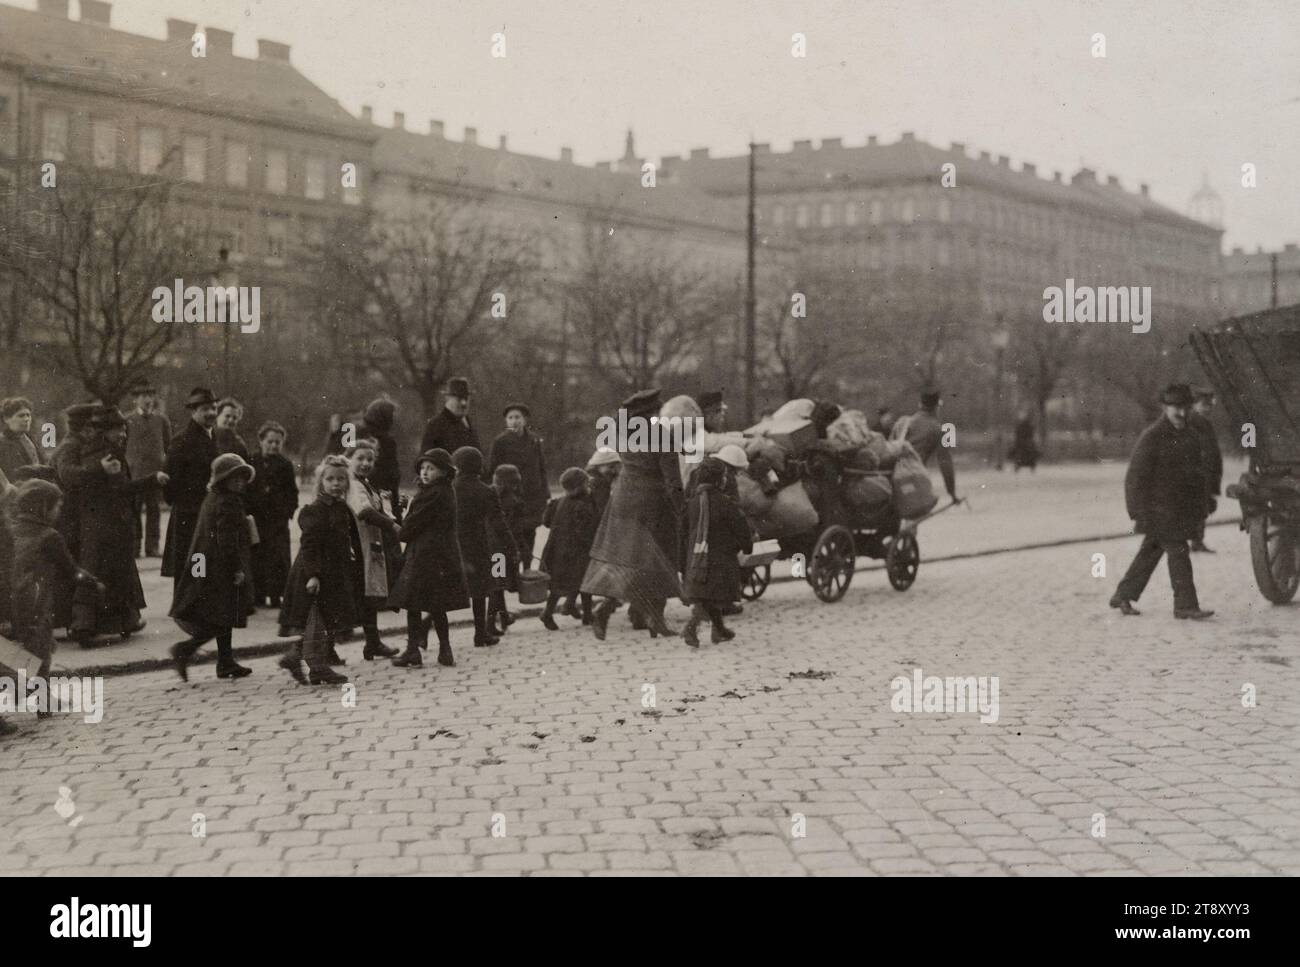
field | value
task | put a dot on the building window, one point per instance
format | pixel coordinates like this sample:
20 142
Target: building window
103 143
850 213
945 209
277 230
151 150
277 171
54 135
801 216
237 164
195 157
315 180
778 215
875 211
826 217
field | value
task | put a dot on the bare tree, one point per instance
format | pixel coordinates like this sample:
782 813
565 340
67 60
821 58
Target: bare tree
410 295
1041 353
86 255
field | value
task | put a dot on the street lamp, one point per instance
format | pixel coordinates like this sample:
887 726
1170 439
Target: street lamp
225 278
1001 338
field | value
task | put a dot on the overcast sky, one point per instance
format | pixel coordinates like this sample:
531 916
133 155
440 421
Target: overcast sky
1187 87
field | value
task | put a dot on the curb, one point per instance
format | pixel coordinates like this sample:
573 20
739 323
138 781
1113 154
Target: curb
266 649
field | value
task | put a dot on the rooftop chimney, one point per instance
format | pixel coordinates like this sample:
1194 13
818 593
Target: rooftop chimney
1056 177
566 155
272 50
985 156
399 121
220 41
1237 250
907 136
471 135
95 12
762 147
436 128
1029 169
958 147
1112 180
604 166
1146 190
803 146
53 8
179 29
832 142
699 154
367 114
501 142
1004 161
872 140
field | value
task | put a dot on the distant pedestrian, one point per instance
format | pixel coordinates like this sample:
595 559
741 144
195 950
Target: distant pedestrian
17 448
508 542
148 437
379 546
477 511
519 446
1165 490
572 522
718 533
188 467
226 436
451 429
603 467
214 594
1024 449
1211 460
924 431
379 423
324 590
272 499
432 580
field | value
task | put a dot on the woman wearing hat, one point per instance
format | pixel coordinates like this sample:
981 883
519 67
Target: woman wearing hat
634 555
718 533
214 592
432 580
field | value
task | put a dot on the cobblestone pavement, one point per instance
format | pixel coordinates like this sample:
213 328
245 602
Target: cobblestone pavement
545 740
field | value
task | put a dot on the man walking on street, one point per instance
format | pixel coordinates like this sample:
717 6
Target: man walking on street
1165 491
451 429
1212 459
148 437
188 468
925 432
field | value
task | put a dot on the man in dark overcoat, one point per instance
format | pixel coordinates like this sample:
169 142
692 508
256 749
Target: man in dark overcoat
1211 457
1165 491
188 467
517 445
451 429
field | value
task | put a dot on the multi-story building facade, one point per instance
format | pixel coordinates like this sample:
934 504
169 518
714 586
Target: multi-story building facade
1260 280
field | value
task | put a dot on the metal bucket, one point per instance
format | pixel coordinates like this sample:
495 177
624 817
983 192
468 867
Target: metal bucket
533 586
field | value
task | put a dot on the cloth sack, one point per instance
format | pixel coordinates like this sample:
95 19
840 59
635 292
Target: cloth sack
913 494
867 495
791 513
752 499
794 410
850 428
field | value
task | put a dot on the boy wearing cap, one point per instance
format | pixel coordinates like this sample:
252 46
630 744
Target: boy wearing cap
518 445
1165 490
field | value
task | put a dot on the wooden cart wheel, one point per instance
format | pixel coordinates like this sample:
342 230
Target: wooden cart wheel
902 560
754 581
830 568
1275 557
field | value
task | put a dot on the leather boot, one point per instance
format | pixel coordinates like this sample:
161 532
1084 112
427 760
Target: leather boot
325 675
411 658
294 667
692 630
445 657
637 617
721 632
375 648
600 618
658 625
182 653
548 616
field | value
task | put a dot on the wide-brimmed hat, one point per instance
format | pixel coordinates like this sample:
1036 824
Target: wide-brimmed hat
521 407
1177 394
227 465
733 456
458 386
643 402
107 418
468 460
603 457
573 479
439 457
37 498
200 396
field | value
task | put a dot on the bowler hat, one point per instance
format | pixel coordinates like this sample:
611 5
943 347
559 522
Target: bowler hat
458 386
930 395
226 465
200 396
1177 394
709 400
440 458
642 403
468 460
517 406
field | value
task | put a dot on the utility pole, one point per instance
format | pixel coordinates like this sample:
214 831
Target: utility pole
751 326
1272 259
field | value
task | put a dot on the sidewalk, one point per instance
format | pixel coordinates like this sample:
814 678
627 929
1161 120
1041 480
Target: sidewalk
1008 511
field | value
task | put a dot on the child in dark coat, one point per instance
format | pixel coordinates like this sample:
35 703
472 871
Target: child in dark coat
509 485
272 499
326 577
572 521
214 590
477 512
432 579
718 533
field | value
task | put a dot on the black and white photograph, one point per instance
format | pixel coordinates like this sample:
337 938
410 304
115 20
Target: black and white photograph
730 439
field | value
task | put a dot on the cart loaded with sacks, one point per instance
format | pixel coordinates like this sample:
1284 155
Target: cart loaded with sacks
819 503
1253 362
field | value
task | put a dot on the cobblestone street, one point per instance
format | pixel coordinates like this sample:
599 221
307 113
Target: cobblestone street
539 756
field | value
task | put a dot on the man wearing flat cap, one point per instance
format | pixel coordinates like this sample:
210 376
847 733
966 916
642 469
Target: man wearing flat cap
519 446
1211 457
1166 493
188 465
451 429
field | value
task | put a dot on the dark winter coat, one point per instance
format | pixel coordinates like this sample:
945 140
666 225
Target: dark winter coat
44 574
432 578
1024 451
1211 455
387 471
568 546
634 554
17 450
713 575
330 550
221 536
508 540
228 441
189 465
68 465
106 535
271 498
148 437
1165 487
601 486
477 511
524 450
448 432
